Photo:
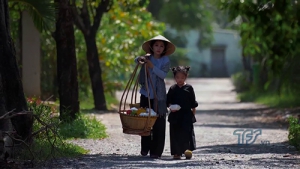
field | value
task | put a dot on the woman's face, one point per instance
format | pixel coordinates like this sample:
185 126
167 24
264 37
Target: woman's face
180 78
158 47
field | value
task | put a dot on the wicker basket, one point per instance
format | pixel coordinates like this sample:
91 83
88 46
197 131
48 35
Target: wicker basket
134 124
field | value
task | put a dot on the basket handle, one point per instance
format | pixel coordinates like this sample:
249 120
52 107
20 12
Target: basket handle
126 90
154 92
148 93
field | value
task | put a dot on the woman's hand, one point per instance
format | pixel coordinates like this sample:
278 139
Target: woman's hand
141 59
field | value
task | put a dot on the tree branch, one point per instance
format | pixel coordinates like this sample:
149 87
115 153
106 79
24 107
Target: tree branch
9 114
22 141
103 7
6 114
42 129
77 18
91 7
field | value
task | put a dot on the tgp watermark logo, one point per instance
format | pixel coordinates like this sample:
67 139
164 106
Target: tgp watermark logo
249 136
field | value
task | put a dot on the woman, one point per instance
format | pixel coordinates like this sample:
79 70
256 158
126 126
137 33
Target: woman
158 65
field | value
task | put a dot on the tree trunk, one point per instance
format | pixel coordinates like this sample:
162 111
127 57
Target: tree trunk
89 29
66 62
95 73
12 95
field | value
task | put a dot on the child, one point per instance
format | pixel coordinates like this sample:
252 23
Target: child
182 136
158 64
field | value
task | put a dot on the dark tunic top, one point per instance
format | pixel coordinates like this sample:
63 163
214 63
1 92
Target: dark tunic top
182 136
185 97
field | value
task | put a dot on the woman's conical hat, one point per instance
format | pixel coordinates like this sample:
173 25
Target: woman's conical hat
170 48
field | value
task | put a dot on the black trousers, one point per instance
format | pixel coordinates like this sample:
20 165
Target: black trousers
154 143
181 139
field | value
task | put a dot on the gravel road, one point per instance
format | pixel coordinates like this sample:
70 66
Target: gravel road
219 114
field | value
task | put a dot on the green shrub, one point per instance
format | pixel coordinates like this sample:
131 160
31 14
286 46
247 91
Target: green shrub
83 127
294 132
241 81
49 133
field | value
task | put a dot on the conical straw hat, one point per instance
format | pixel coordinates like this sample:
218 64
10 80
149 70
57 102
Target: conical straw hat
170 48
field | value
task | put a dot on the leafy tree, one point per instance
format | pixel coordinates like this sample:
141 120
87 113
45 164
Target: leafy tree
185 15
270 35
88 16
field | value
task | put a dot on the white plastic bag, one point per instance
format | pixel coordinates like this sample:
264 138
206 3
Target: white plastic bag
175 107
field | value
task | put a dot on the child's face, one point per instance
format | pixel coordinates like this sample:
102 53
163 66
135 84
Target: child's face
180 78
158 47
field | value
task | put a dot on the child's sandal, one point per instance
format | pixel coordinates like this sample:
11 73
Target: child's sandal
188 154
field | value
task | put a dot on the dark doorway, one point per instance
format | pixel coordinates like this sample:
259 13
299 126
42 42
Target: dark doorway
218 62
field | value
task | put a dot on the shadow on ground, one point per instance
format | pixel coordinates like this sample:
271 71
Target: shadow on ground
249 125
272 148
119 161
265 118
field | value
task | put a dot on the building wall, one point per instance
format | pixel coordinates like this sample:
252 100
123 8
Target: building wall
198 57
31 57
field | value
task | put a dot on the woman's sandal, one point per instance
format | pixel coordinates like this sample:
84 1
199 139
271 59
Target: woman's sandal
155 156
144 153
176 157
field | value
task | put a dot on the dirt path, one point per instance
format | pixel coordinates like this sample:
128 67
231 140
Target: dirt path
219 114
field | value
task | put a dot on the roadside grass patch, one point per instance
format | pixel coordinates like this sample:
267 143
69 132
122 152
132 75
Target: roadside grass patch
271 99
88 103
294 132
84 126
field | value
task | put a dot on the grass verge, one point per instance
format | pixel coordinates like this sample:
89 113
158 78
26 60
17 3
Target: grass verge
294 132
83 127
88 103
270 99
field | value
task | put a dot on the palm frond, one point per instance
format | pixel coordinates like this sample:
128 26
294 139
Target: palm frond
43 12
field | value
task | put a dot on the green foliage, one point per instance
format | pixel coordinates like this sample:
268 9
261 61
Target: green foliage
49 86
83 127
179 57
87 103
241 81
43 13
189 15
294 132
44 149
